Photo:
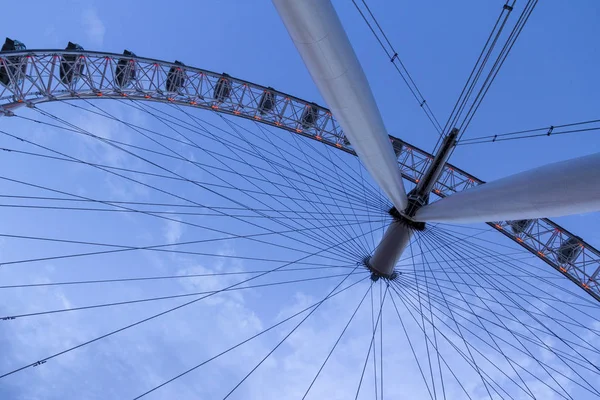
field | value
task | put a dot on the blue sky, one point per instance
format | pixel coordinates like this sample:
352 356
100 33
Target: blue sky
549 78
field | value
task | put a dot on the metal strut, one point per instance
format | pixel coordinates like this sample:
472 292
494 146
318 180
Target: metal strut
398 234
419 196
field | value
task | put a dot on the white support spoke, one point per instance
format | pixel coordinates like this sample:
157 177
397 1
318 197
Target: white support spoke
554 190
322 42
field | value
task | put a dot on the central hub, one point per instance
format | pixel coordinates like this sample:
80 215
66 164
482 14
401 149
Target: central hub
403 219
398 234
386 255
376 275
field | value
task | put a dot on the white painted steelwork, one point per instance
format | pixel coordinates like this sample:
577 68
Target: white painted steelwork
553 190
322 42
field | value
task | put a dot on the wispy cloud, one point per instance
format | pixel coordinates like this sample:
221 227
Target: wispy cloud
94 27
173 231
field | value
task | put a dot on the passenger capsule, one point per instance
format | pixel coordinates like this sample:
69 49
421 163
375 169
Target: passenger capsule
520 226
397 146
176 77
569 250
70 66
16 66
222 88
309 116
125 72
267 101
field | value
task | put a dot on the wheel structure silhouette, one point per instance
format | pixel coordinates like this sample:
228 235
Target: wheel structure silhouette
100 150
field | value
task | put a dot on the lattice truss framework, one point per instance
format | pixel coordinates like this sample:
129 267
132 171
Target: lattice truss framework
37 76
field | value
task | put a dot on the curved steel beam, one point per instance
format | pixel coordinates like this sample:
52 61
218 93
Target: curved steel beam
41 83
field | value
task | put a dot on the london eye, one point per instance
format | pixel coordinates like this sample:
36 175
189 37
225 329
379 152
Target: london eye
174 232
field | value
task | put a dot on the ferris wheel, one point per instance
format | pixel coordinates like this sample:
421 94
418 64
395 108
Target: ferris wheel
425 281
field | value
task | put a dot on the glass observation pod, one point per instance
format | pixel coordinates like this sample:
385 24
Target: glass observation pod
125 71
13 68
222 88
569 250
267 101
309 115
397 146
520 226
176 77
71 67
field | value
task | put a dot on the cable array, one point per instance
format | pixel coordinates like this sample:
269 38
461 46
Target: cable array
482 75
547 131
396 61
464 308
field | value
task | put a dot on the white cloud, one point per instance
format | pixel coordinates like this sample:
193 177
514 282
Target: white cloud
94 27
173 231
